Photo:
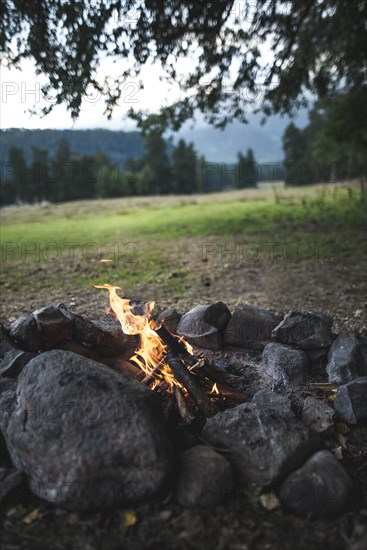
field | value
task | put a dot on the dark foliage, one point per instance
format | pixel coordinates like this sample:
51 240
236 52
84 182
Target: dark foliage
318 48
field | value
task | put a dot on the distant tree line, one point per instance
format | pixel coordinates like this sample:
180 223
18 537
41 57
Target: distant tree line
67 176
333 146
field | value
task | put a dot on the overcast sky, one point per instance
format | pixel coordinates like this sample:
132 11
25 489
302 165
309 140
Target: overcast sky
21 92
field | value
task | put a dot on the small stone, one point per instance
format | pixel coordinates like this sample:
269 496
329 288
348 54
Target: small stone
344 362
263 443
318 416
14 362
320 488
305 330
199 333
6 343
25 333
205 478
10 479
351 401
54 326
284 365
250 327
317 355
170 319
217 315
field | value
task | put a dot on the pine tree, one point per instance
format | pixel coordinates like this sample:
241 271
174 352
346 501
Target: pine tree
15 183
248 171
184 168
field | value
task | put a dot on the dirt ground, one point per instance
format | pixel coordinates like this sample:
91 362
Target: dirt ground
334 286
202 271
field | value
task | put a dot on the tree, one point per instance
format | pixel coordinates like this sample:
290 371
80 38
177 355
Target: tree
155 176
297 163
38 182
248 171
13 184
317 46
332 145
62 160
184 169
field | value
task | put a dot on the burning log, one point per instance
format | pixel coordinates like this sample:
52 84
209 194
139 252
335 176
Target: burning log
175 345
183 409
184 376
233 395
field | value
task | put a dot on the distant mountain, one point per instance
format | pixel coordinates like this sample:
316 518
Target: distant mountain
215 145
117 145
223 145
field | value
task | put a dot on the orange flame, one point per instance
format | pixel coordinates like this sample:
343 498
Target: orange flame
150 355
215 389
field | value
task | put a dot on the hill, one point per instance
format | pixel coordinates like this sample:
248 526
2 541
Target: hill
117 145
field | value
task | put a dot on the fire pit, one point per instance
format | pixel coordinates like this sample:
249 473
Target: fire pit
132 407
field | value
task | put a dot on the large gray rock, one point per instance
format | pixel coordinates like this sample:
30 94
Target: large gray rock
351 401
55 327
14 361
250 327
318 416
6 344
170 319
205 478
197 331
320 488
284 365
10 479
274 401
263 443
85 436
305 330
217 315
25 333
344 361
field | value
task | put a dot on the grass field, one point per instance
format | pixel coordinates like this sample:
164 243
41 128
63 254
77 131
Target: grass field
163 240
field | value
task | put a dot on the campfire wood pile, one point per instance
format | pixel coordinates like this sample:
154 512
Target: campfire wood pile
88 423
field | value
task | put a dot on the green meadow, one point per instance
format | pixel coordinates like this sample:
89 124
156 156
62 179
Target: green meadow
143 234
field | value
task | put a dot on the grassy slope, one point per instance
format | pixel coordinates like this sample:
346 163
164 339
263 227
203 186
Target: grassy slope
143 233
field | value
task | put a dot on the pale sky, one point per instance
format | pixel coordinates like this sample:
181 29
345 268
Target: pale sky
20 92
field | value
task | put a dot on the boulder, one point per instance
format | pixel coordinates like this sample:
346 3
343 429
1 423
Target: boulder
25 333
320 488
205 478
14 362
105 336
284 365
315 356
10 479
217 315
197 331
6 344
351 401
318 416
263 443
250 327
85 436
344 362
170 319
274 401
54 326
305 330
